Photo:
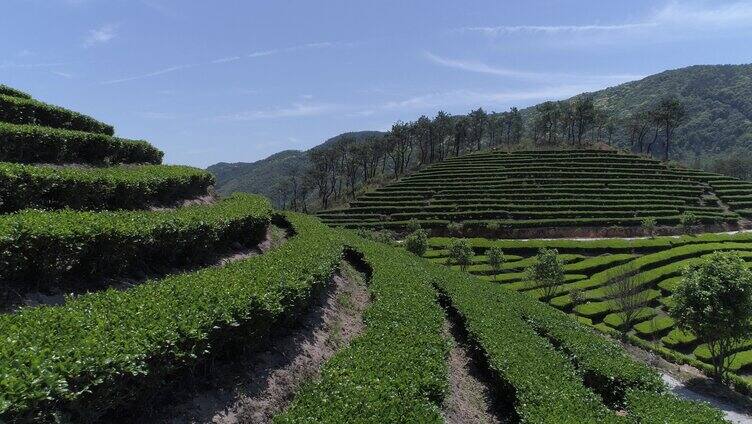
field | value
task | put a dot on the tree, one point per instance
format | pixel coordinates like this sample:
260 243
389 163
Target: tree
638 126
624 291
417 242
495 260
460 134
547 272
460 253
478 123
442 126
714 302
584 115
668 114
648 224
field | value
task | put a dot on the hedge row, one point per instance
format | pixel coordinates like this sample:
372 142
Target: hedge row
19 110
9 91
35 144
395 371
118 187
102 350
37 249
555 366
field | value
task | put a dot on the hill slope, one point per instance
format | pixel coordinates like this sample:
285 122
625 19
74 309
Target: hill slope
262 176
548 189
718 99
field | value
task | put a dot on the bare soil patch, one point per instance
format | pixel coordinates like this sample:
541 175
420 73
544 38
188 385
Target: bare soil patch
255 387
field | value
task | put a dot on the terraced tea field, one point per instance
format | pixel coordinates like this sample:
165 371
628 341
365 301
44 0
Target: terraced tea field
86 212
548 189
591 266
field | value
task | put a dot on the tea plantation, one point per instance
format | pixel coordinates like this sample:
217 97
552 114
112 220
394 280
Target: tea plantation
654 264
82 207
534 189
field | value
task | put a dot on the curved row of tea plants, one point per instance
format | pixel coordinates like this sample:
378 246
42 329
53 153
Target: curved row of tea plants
35 144
38 248
543 189
25 110
655 265
103 349
81 188
533 349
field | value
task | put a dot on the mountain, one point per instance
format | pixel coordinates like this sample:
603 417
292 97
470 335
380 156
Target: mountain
262 176
718 100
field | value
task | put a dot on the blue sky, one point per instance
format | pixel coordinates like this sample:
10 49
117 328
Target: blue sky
210 81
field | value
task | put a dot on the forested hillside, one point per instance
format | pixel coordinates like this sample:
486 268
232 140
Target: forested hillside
266 175
704 111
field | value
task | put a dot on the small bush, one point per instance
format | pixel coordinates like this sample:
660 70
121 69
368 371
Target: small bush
688 220
460 253
413 225
493 226
417 242
495 260
648 224
455 228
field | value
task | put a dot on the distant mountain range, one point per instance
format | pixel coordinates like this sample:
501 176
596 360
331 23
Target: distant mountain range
262 176
718 100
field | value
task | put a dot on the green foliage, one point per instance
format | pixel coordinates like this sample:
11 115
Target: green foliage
9 91
417 242
460 253
413 225
648 224
35 144
547 272
714 302
39 248
688 219
455 228
84 358
19 110
381 236
495 260
396 370
117 187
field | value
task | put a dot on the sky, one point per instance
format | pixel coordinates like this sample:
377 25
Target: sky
236 81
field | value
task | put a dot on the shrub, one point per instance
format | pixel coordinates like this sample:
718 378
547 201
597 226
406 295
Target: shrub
648 225
687 220
417 242
493 226
547 272
455 229
577 297
413 225
714 302
495 260
460 253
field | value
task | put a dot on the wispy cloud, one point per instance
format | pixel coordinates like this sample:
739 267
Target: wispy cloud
62 74
221 60
101 35
12 64
296 110
484 68
674 14
553 29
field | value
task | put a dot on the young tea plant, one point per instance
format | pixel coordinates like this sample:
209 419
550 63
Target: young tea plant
417 242
547 272
495 260
460 253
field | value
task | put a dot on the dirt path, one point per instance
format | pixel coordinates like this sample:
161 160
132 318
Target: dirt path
470 398
690 383
255 388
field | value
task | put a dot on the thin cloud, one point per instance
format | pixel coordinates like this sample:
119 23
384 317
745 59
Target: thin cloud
62 74
296 110
675 14
483 68
102 35
220 60
554 29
